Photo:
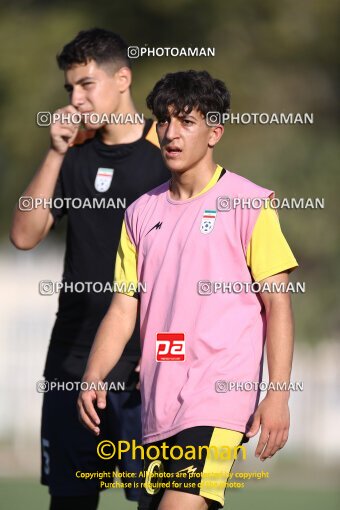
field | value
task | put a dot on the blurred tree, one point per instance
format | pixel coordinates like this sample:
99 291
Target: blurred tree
274 56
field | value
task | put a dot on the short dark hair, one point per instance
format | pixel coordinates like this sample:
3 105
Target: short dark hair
102 46
185 90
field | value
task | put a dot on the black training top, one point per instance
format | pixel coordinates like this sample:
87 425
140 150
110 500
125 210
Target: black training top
94 174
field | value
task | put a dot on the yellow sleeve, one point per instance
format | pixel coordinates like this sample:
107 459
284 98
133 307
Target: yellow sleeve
126 279
268 252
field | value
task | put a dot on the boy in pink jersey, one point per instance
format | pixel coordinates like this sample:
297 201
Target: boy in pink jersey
197 331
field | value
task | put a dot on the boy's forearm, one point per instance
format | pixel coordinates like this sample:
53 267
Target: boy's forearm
280 342
113 334
44 181
28 225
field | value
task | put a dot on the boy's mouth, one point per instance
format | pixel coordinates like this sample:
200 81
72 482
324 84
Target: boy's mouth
172 151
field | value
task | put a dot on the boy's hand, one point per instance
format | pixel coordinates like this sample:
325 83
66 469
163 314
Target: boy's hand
86 410
64 133
272 415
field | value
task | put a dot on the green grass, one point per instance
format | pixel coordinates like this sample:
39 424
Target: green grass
29 495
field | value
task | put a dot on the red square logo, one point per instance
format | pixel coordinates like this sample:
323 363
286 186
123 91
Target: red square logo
170 347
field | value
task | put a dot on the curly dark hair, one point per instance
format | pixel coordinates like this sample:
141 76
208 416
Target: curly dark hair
102 46
185 90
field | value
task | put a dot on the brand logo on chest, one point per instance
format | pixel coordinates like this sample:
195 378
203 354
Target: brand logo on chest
103 179
208 221
170 347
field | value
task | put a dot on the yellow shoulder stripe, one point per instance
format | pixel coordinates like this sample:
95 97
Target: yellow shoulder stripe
152 135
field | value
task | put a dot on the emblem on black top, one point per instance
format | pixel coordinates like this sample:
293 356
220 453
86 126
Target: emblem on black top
103 179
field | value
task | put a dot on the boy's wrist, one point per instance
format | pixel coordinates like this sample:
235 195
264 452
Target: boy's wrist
278 393
55 153
92 377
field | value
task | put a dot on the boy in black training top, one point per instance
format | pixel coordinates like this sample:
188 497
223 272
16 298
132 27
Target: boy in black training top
119 163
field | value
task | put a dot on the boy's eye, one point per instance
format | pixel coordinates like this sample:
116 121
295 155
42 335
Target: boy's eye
185 120
162 122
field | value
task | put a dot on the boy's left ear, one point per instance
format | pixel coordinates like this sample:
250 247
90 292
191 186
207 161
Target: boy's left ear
216 133
124 77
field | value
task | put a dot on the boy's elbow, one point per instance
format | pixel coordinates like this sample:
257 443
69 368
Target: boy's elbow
21 242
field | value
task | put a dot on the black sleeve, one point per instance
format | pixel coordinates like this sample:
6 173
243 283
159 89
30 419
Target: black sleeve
58 209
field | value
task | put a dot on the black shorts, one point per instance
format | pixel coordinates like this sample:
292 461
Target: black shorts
199 471
67 447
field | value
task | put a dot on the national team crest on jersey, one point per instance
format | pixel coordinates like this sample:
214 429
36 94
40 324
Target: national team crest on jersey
103 179
208 221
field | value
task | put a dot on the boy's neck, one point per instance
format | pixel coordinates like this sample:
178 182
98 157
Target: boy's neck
125 132
190 183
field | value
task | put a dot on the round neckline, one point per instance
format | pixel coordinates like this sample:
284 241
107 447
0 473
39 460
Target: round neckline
121 146
198 196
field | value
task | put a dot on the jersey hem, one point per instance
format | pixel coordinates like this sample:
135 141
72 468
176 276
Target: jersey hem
149 438
276 269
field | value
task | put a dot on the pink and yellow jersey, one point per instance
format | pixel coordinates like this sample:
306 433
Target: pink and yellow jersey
189 339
